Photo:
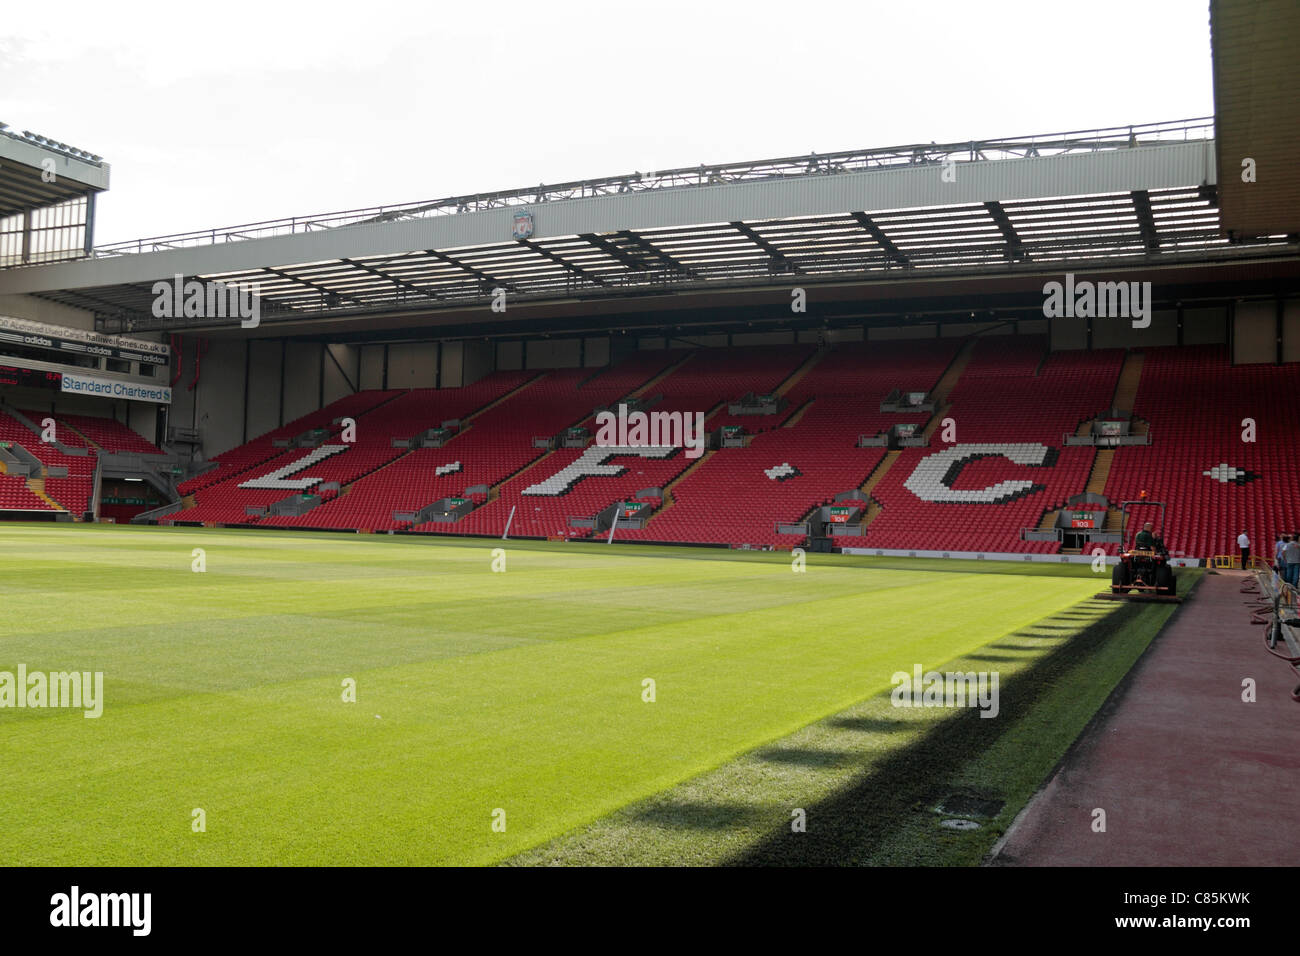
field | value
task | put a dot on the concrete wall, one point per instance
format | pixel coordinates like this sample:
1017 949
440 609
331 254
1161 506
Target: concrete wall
1066 333
452 370
478 359
1254 333
553 353
234 368
596 351
510 356
372 367
949 330
698 341
1109 333
1291 331
141 417
216 403
55 313
302 380
413 365
340 371
764 338
263 412
922 331
811 336
1205 326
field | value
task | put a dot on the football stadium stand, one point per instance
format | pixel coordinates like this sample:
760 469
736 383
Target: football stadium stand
1017 468
1218 476
387 417
103 433
734 498
988 454
959 444
704 382
68 466
497 442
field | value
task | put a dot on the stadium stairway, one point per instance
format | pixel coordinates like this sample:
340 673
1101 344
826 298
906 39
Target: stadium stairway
16 495
1130 379
71 492
741 494
106 434
942 389
244 458
703 382
1101 466
380 418
668 499
797 375
993 403
37 487
1215 482
496 445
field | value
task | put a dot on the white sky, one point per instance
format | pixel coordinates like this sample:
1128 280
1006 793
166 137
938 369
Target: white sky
233 112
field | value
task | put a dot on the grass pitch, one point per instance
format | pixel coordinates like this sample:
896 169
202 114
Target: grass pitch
520 691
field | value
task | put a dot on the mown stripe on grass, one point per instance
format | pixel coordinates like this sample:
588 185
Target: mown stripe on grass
869 779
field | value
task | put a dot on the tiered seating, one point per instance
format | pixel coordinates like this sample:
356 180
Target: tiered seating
73 492
497 443
262 449
732 498
410 413
701 383
106 433
1195 402
16 496
1013 402
1001 403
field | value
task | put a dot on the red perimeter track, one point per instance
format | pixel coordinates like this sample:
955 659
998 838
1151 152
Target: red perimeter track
1187 773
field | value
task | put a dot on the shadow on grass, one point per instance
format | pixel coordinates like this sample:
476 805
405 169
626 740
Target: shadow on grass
875 725
805 757
847 827
682 815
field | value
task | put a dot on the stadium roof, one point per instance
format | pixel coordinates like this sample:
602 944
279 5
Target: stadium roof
22 187
1257 113
1140 195
47 194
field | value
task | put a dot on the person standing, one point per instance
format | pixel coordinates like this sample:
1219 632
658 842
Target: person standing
1292 556
1279 564
1243 542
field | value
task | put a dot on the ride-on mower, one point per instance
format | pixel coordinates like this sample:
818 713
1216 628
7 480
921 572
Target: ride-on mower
1143 572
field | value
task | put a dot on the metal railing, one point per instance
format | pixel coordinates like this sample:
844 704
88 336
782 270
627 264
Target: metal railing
811 164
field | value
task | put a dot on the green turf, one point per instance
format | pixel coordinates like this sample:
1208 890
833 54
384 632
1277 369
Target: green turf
477 690
871 780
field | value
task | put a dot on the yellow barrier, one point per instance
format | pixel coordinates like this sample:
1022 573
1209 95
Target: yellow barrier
1226 561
